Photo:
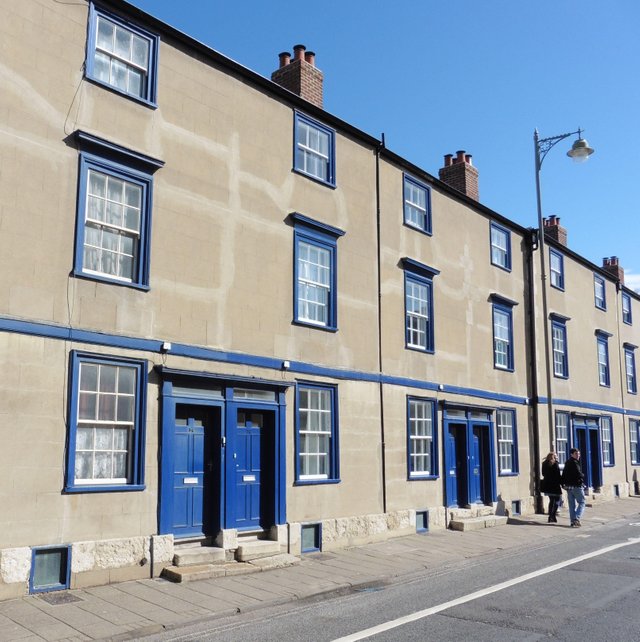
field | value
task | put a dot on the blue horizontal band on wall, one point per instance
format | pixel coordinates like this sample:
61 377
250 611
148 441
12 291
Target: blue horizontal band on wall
53 331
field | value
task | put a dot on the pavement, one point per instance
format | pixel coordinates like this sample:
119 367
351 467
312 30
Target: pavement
134 610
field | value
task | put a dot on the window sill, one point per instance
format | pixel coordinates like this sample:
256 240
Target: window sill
504 268
105 489
104 279
423 350
422 477
306 324
315 482
512 474
141 101
427 232
315 179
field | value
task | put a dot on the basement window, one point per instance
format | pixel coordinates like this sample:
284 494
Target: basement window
311 538
422 521
50 569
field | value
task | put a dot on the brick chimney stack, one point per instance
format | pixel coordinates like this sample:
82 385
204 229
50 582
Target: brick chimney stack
612 266
555 231
300 75
460 174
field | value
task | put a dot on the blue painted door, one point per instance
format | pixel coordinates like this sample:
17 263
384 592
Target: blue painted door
247 468
456 464
586 438
475 465
193 471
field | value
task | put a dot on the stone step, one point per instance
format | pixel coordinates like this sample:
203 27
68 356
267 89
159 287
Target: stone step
255 549
181 574
477 523
198 555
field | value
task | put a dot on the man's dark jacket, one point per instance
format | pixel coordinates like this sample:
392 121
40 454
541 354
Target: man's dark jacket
572 473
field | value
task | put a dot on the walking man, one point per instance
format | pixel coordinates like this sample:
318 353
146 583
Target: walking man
573 483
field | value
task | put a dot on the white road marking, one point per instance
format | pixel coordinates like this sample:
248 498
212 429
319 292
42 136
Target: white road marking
418 615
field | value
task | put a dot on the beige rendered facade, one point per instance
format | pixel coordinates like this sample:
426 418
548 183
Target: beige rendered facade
226 313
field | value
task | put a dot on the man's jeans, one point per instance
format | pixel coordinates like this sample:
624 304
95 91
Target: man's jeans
575 495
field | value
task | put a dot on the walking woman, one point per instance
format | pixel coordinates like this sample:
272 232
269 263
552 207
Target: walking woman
550 484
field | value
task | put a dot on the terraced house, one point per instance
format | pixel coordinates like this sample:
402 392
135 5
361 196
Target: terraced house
230 319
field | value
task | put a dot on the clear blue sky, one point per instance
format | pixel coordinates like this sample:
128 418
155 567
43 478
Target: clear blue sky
437 77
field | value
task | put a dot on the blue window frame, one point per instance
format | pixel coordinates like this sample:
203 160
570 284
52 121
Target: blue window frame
606 438
50 569
563 443
422 452
500 246
113 226
602 341
626 309
122 56
630 368
311 538
556 269
107 409
417 204
315 273
314 150
634 441
599 292
559 348
316 434
502 337
507 442
418 305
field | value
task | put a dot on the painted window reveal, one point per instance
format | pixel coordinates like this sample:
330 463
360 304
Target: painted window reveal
630 369
559 347
315 249
507 442
606 438
417 204
562 437
634 441
503 337
418 311
418 305
421 438
500 246
626 309
314 153
604 376
316 433
106 425
113 213
599 292
50 569
556 269
122 56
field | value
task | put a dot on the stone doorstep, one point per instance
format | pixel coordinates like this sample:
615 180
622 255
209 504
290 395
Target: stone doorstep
182 574
477 523
199 555
255 549
468 513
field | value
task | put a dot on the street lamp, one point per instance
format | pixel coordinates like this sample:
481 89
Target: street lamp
579 152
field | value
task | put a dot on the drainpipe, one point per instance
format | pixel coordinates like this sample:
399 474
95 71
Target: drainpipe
379 147
533 367
623 379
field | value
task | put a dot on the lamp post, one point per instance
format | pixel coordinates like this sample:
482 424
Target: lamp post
579 152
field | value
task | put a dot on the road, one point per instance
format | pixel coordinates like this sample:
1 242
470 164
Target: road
585 589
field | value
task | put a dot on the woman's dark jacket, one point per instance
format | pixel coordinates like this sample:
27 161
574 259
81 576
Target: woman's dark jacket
572 473
550 483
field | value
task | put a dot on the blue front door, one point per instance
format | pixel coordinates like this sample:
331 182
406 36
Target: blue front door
475 465
456 464
587 440
195 471
252 467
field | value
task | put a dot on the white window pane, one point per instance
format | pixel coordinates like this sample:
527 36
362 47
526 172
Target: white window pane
102 465
119 74
84 438
84 465
104 37
123 43
140 52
